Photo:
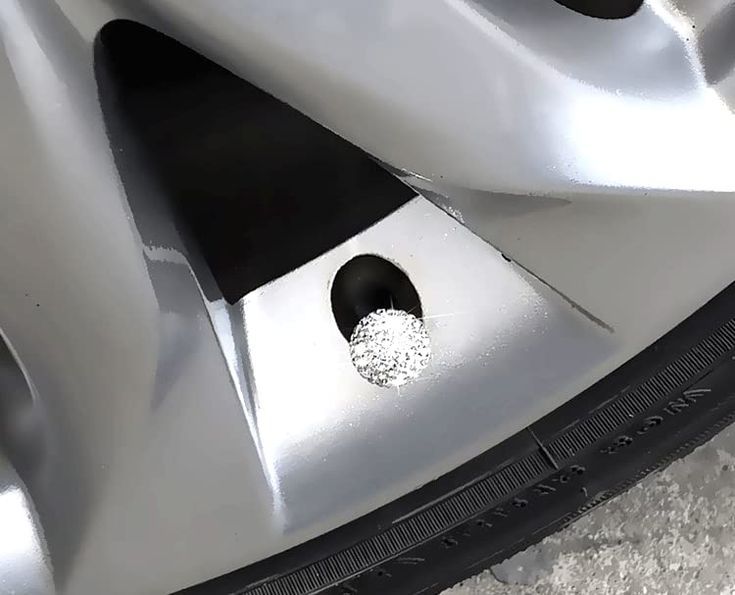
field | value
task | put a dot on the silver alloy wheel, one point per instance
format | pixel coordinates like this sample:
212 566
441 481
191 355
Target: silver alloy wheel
184 436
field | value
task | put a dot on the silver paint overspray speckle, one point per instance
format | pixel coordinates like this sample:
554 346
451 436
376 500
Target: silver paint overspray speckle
390 347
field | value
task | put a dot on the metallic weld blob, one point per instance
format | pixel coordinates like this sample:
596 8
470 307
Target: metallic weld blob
390 347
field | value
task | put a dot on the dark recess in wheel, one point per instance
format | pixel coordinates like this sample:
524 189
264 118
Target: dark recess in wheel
603 9
256 187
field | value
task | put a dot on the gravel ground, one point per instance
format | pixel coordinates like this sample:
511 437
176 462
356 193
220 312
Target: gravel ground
674 533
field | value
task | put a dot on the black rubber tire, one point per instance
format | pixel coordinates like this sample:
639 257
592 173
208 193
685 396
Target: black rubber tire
654 409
